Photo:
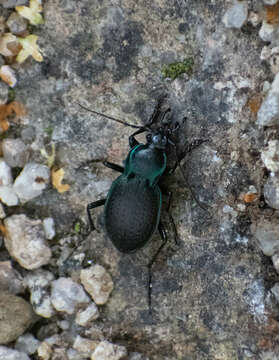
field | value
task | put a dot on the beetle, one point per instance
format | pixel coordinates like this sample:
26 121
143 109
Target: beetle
132 208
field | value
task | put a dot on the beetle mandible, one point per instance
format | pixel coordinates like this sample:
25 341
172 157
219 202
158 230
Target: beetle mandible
132 208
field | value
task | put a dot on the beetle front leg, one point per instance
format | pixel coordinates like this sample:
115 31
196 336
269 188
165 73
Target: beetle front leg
93 205
164 237
132 141
114 166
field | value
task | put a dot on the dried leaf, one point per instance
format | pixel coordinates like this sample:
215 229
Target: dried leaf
250 197
3 229
272 14
50 157
57 177
7 110
32 13
29 47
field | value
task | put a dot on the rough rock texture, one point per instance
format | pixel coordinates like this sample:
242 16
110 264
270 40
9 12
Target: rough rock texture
211 292
16 316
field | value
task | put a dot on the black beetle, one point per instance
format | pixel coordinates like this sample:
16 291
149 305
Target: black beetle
132 207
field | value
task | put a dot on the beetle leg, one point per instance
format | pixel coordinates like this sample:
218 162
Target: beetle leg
92 206
114 166
164 237
132 141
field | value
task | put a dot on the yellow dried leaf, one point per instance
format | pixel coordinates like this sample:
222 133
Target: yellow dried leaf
57 177
9 45
32 13
29 47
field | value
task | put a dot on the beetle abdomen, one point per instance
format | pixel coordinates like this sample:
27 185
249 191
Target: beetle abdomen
132 213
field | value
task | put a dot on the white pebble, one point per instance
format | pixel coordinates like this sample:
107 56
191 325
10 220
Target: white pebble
9 354
108 351
84 317
67 295
49 228
31 181
25 241
97 282
8 196
84 346
5 173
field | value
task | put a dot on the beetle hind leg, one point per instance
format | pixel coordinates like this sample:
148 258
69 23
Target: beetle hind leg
93 205
113 166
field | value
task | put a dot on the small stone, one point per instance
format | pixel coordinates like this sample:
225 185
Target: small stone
97 282
28 134
13 3
38 283
236 15
270 156
270 2
137 356
10 279
31 181
17 24
16 315
268 114
24 240
74 355
254 18
27 344
9 354
84 317
8 195
44 351
4 91
275 260
267 235
67 295
15 152
271 192
275 291
84 346
8 75
5 173
268 32
108 351
49 228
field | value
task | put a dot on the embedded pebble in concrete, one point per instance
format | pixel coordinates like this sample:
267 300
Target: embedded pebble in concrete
38 283
108 351
268 32
31 181
84 317
270 156
44 351
67 295
9 354
267 235
16 316
74 355
2 212
275 291
17 24
5 173
27 343
270 2
268 114
275 260
97 282
25 241
271 192
8 195
49 228
10 279
84 346
15 152
236 15
137 356
8 75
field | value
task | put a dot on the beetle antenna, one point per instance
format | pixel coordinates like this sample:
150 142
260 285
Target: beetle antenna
110 117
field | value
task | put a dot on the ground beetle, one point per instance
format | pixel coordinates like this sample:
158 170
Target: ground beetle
133 204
